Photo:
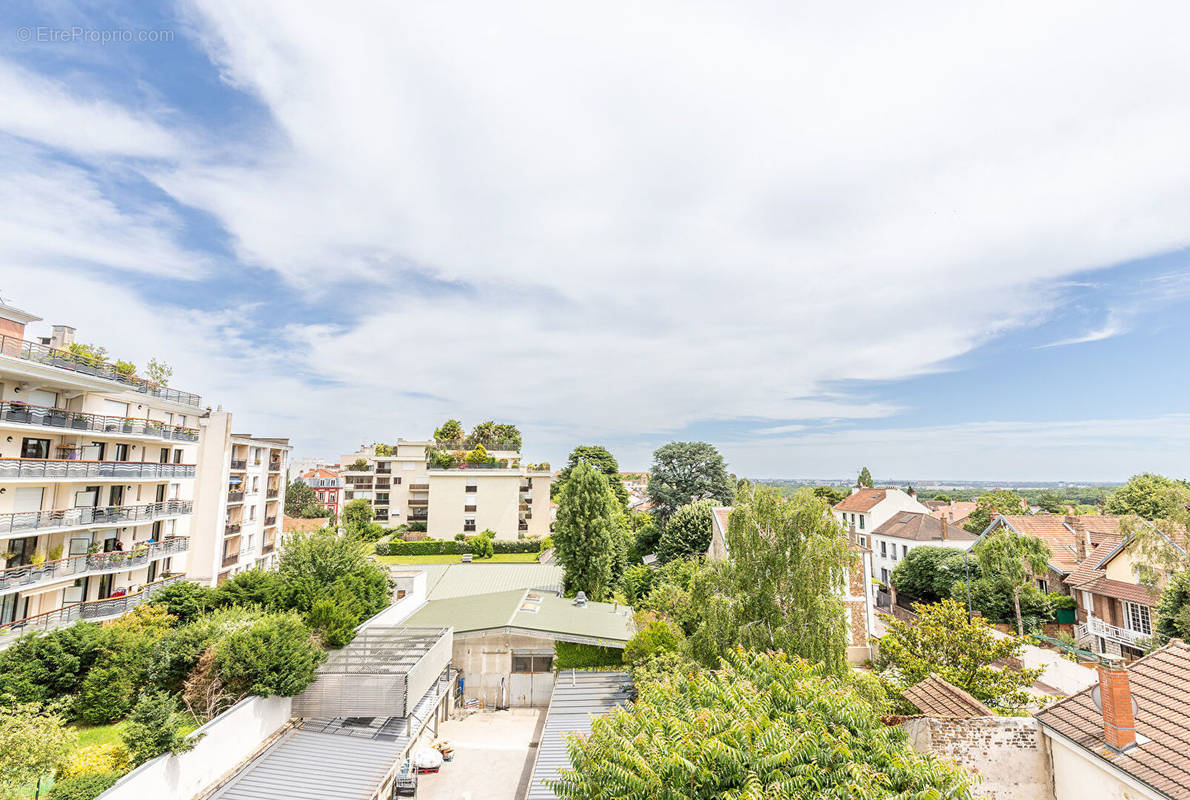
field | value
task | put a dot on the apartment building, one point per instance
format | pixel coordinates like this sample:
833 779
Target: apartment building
410 483
241 499
327 486
97 472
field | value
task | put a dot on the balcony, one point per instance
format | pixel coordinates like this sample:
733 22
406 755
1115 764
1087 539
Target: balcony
419 487
414 502
91 609
53 469
235 497
232 529
238 465
45 417
15 578
1097 627
469 509
460 444
274 466
415 517
64 359
271 494
231 559
26 522
267 548
270 521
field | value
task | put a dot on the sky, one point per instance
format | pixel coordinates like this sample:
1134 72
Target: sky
938 239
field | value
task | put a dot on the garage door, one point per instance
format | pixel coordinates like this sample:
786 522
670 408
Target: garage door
532 679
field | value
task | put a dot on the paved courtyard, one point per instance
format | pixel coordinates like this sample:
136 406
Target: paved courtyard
493 756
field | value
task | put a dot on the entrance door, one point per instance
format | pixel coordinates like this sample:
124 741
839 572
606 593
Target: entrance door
35 448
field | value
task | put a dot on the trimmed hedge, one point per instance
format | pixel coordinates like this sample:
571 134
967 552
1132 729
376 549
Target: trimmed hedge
436 547
568 655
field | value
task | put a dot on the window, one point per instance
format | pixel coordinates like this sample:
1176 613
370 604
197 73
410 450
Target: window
165 455
1088 602
884 549
1043 585
468 524
177 455
532 663
893 554
863 540
35 448
884 576
121 452
116 497
904 550
861 522
1136 619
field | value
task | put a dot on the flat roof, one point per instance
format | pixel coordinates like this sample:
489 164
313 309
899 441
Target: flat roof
578 698
529 610
461 580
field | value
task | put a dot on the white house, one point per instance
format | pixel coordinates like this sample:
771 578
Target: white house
868 509
905 530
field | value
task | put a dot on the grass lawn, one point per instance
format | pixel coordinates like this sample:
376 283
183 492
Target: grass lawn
499 558
98 734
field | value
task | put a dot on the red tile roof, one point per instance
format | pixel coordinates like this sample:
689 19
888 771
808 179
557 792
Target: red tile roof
960 510
936 697
1060 534
1160 684
863 500
921 527
320 473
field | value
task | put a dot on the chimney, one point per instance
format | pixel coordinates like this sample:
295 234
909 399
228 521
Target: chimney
944 530
1115 701
950 515
63 337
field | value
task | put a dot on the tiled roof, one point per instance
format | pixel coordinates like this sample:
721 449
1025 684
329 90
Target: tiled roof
721 516
960 511
1062 538
320 473
1160 684
291 524
1088 571
936 697
863 500
920 527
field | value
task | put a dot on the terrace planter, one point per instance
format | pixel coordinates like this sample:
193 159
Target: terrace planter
55 419
79 422
17 415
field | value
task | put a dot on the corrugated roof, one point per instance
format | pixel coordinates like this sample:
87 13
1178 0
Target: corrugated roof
461 580
578 697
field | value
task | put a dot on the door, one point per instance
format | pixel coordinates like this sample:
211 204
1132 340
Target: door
160 492
96 451
116 496
40 397
532 680
165 455
22 551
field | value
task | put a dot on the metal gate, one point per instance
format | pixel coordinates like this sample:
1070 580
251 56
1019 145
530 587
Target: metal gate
527 689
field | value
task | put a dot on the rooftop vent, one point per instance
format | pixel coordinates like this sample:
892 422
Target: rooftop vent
580 599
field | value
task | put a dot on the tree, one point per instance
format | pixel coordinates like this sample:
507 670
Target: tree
33 743
586 534
357 517
262 588
155 726
683 472
764 725
782 587
1173 610
654 636
88 352
186 600
942 497
1051 502
830 494
482 434
321 556
1001 501
920 574
301 501
601 459
159 372
507 436
105 696
964 652
688 532
478 455
276 655
864 481
450 431
1148 496
1012 560
481 546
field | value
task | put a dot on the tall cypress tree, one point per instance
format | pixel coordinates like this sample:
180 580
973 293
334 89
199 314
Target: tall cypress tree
585 534
864 481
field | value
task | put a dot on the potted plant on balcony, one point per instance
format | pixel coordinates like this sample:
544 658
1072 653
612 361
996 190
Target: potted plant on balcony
78 420
55 417
17 411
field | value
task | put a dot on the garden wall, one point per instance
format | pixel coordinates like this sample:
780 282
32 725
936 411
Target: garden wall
1007 753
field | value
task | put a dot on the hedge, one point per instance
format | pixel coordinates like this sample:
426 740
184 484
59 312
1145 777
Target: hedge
568 655
436 547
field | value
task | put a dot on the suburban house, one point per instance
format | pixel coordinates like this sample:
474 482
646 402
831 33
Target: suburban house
954 513
867 509
1069 538
1116 610
1127 736
904 531
857 592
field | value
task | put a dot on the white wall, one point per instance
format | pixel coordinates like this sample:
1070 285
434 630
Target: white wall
414 584
1081 776
230 739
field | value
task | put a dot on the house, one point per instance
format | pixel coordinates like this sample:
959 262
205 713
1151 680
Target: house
1127 736
1116 610
857 590
1069 538
327 486
906 530
868 509
953 513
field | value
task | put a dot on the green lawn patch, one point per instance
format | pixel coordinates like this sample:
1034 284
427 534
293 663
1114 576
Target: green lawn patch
499 558
98 734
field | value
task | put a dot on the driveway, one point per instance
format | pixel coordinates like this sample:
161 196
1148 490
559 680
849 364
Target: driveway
492 756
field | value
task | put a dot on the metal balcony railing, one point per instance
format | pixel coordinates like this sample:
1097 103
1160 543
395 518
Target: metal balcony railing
239 465
86 517
91 609
64 359
271 494
274 466
462 444
270 521
68 469
231 559
1098 627
231 529
114 561
267 548
46 417
419 487
235 497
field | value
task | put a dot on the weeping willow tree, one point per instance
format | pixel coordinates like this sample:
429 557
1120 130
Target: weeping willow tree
781 588
763 726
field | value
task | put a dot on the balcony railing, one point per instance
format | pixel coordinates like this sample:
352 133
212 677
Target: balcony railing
1098 627
239 465
46 417
418 501
274 466
268 547
114 561
235 497
64 359
67 469
271 494
231 559
87 517
91 609
270 521
232 529
412 517
419 487
461 444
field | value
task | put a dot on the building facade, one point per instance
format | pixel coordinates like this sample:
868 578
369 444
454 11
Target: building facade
241 501
97 473
904 531
327 486
502 494
868 509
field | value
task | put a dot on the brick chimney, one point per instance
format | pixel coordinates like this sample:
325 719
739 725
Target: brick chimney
945 530
1115 698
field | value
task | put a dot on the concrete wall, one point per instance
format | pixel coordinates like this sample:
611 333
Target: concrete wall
230 739
1007 753
210 498
485 660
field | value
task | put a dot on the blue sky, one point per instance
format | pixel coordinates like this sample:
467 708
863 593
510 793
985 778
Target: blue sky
796 235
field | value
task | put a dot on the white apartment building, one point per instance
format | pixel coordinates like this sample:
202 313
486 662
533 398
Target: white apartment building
97 470
504 495
905 531
241 500
865 510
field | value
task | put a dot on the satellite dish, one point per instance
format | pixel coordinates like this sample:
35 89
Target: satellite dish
1097 699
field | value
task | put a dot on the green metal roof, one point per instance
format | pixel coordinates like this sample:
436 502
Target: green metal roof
528 610
459 580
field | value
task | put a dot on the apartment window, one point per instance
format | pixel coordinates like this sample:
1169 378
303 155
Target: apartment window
251 512
472 485
884 549
468 524
532 663
893 554
177 455
116 496
861 522
904 550
35 448
884 576
1136 619
165 455
121 452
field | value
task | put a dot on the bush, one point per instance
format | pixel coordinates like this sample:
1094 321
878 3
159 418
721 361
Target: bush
38 667
481 546
106 695
688 531
586 656
1062 602
177 654
417 527
185 600
253 587
438 547
658 636
155 727
97 759
277 655
84 787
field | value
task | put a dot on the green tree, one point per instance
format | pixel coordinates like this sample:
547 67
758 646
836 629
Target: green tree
1051 502
965 652
155 726
186 600
683 472
507 436
106 695
450 431
33 743
1010 559
942 497
585 533
88 352
782 587
654 636
253 587
688 532
40 667
764 725
478 455
920 575
301 501
159 372
864 481
989 504
1173 610
601 459
321 556
1147 495
357 517
276 655
831 494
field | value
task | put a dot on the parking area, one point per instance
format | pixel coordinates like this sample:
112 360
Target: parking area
493 756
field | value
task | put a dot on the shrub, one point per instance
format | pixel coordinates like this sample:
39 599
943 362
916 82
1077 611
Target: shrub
259 587
333 621
185 600
178 653
106 695
688 531
97 759
277 655
154 727
586 656
1062 601
84 787
657 636
482 547
38 667
438 547
460 537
